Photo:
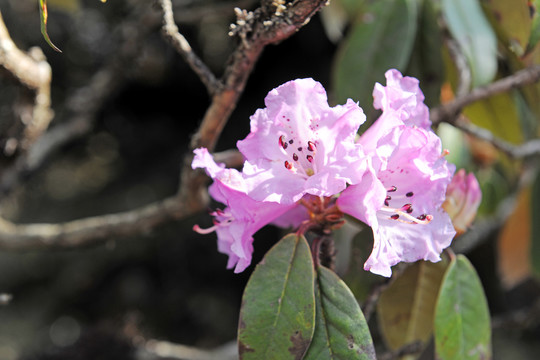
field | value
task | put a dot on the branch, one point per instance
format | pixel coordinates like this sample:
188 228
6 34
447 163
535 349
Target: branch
266 28
90 230
170 29
260 28
85 102
97 229
33 71
527 149
449 112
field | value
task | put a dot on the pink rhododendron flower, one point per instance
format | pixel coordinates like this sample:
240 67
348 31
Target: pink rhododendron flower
401 102
463 196
300 145
405 194
304 170
243 216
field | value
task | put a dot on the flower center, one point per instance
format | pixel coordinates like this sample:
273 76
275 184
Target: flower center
299 158
403 213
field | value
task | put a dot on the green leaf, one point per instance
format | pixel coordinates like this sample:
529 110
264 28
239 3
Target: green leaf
277 318
426 63
535 230
341 332
406 309
381 39
512 23
469 26
535 26
43 15
462 324
499 114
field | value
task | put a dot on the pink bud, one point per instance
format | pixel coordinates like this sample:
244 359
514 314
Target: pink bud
463 196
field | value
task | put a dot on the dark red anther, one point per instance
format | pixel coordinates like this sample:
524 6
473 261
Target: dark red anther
422 217
295 157
288 165
394 217
300 148
407 208
391 189
386 201
282 142
311 146
291 141
309 158
409 194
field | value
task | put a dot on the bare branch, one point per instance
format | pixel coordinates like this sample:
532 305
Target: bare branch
212 84
449 112
527 149
266 26
33 71
90 230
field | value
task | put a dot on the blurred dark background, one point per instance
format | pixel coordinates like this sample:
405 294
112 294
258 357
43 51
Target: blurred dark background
170 284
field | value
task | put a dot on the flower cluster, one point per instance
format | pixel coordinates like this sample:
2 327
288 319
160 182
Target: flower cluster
305 168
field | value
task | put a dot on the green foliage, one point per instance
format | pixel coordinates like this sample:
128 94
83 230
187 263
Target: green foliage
462 325
499 114
535 26
341 331
277 318
405 310
477 40
44 15
380 39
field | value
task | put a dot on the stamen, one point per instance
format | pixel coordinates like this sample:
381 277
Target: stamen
291 141
445 152
391 189
288 165
299 149
309 158
394 217
200 230
422 219
409 194
311 146
386 201
295 157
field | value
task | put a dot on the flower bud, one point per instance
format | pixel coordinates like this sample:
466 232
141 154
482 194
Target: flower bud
463 196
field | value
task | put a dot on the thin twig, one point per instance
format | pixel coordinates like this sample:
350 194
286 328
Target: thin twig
265 28
449 112
192 196
527 149
91 230
213 85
